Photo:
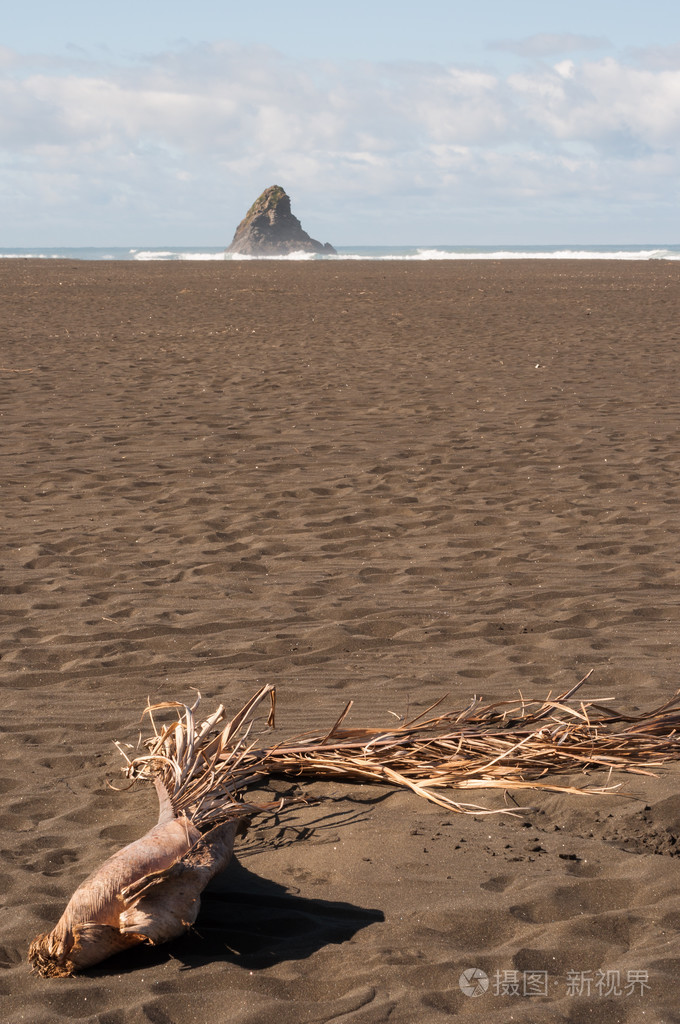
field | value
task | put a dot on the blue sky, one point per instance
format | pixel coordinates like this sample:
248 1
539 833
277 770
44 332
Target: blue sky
427 122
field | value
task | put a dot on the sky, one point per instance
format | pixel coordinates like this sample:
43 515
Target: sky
414 122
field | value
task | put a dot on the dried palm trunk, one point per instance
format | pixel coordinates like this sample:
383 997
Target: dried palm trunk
150 891
147 892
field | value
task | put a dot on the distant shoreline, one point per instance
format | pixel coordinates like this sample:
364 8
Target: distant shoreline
372 253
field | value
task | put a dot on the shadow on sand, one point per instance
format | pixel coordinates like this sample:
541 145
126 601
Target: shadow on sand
250 921
253 922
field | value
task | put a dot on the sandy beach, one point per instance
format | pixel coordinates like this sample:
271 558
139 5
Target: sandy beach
378 481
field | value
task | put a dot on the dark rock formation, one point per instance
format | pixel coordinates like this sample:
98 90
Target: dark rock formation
270 229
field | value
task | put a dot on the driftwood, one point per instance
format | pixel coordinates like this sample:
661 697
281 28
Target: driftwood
150 891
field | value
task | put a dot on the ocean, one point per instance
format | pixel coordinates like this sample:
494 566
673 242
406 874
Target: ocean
364 252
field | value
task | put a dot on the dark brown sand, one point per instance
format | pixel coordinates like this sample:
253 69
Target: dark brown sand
378 481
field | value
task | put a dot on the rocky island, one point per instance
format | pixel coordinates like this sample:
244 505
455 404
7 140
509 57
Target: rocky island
270 229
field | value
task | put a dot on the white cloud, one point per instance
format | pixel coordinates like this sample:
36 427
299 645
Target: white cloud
184 131
550 44
565 68
658 58
606 104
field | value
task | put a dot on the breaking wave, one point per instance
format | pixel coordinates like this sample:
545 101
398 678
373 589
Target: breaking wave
385 253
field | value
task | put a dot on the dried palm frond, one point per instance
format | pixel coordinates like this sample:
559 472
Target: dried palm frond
150 891
508 744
